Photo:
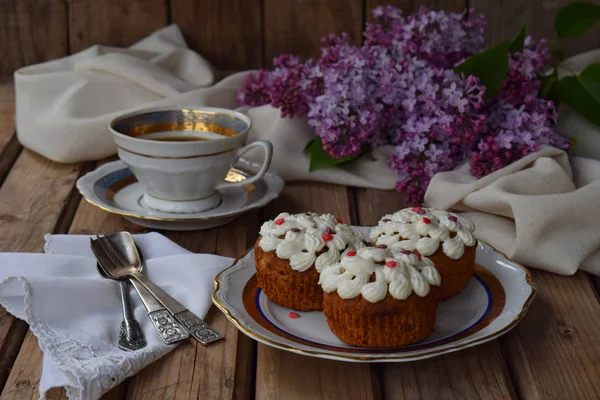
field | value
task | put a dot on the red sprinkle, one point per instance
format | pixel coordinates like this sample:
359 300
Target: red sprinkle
293 315
327 237
414 209
426 220
351 253
453 218
390 264
418 255
339 220
279 221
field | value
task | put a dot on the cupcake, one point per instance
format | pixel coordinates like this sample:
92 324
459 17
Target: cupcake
375 299
443 237
291 252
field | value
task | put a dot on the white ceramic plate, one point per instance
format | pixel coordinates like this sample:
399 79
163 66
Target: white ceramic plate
493 302
113 188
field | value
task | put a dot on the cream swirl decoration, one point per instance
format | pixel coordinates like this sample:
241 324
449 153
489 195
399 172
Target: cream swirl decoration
400 276
299 237
423 230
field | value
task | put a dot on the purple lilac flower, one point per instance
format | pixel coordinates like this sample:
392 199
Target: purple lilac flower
399 88
512 133
442 39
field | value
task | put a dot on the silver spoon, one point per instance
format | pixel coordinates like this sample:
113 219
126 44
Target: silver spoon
131 336
120 260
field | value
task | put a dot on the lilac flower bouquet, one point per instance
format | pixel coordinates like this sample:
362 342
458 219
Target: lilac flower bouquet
408 85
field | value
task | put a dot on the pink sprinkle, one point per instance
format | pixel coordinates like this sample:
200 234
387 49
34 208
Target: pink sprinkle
453 218
295 230
386 220
420 212
293 315
329 230
382 246
405 252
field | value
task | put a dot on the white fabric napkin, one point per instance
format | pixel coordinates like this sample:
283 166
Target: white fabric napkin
75 313
541 211
64 106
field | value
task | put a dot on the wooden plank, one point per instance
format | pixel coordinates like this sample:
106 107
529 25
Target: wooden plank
226 32
284 375
478 372
31 202
9 146
7 112
506 17
554 351
113 22
31 31
296 26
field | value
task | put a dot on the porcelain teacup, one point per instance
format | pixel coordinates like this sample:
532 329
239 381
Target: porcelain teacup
182 155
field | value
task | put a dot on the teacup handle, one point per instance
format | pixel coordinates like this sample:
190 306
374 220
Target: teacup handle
268 149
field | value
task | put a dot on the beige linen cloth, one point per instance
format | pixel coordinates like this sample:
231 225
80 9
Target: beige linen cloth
64 107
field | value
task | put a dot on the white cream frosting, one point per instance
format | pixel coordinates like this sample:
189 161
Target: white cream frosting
299 237
400 275
423 230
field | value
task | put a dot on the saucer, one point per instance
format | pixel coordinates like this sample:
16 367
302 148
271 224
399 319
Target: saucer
113 188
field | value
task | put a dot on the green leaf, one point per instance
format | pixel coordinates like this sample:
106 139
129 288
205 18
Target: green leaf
319 158
582 92
576 18
518 42
549 87
490 66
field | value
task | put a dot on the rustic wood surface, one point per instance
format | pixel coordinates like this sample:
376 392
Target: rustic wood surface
552 354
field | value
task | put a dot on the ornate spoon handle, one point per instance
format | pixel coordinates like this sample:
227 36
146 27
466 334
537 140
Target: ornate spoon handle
169 330
199 329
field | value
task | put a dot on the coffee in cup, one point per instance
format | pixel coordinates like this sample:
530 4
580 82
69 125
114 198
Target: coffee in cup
182 155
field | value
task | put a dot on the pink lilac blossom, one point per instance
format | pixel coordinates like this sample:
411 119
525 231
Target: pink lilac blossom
399 88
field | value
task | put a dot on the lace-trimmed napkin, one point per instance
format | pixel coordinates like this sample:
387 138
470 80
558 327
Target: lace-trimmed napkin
75 313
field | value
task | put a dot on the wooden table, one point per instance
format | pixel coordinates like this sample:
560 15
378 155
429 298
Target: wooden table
554 353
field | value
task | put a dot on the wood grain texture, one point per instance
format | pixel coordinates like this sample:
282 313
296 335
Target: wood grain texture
506 17
10 148
553 353
228 33
7 112
478 372
113 22
284 375
31 32
296 26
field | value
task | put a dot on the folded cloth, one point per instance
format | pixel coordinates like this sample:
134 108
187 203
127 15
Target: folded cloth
75 313
64 106
541 210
